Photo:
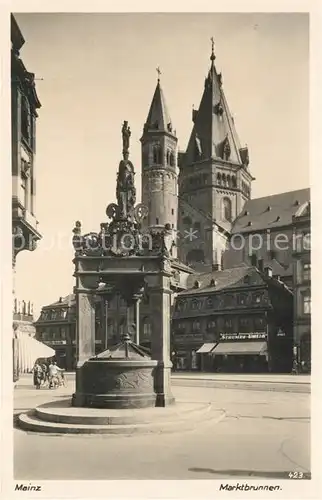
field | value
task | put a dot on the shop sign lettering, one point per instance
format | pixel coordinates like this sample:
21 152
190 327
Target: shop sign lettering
243 336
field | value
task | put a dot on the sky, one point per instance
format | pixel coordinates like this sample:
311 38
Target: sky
97 70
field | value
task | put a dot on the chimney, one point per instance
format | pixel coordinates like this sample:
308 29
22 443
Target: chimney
261 265
253 260
269 271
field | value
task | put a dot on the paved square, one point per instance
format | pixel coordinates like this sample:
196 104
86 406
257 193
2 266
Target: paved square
265 434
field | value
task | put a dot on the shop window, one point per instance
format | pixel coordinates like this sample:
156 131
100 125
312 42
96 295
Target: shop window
307 303
306 272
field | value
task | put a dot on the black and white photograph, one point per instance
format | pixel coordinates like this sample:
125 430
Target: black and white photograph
161 253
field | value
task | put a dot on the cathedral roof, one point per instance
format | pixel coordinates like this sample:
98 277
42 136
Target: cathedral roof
214 134
158 117
270 212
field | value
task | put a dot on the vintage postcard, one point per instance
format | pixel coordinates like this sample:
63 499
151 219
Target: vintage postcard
158 299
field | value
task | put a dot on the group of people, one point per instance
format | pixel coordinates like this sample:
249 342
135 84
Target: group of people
48 373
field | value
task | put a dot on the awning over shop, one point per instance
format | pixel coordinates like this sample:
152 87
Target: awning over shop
29 350
241 348
206 348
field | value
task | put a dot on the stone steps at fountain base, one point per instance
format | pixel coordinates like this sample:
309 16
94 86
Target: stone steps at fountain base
181 418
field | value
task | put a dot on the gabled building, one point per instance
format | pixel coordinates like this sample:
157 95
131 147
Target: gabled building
238 319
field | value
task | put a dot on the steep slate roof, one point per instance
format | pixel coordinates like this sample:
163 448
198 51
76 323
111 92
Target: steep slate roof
224 279
228 278
283 207
158 114
213 123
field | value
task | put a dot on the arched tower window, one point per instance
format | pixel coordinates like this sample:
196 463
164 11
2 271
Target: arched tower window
168 156
233 181
219 179
223 179
157 154
172 159
228 180
226 209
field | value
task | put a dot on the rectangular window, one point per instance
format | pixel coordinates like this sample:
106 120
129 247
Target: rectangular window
196 326
259 324
228 325
307 304
244 325
157 220
211 326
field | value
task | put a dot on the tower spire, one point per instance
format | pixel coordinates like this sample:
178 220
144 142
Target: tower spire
212 57
159 73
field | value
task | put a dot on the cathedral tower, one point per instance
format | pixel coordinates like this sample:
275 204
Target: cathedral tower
214 180
159 164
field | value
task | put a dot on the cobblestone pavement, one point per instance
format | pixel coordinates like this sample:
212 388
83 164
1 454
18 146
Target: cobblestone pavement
265 435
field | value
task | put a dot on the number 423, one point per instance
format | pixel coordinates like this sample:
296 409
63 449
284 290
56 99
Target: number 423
295 475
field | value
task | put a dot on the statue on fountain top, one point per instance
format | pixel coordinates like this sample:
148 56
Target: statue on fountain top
125 189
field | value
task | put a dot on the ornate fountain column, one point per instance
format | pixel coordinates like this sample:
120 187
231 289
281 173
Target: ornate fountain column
160 300
85 326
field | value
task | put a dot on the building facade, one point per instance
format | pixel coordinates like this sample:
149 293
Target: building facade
24 106
25 232
238 319
302 286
